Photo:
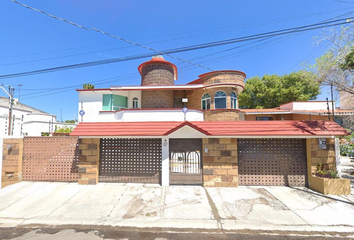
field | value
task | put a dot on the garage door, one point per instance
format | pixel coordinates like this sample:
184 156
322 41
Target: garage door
130 160
274 162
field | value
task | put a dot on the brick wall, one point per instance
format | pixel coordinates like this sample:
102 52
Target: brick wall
12 162
89 160
317 155
157 74
157 99
220 164
221 115
223 77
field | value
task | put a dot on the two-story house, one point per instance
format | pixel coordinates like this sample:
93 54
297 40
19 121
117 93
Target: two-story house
161 132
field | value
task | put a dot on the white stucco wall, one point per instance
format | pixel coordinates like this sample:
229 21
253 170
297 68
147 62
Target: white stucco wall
91 103
158 115
306 106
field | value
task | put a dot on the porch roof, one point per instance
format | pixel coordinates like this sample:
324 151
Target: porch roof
222 128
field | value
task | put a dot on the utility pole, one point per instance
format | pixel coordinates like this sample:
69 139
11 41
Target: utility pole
9 93
19 92
328 112
332 101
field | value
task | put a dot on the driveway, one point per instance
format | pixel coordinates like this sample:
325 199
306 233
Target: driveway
187 207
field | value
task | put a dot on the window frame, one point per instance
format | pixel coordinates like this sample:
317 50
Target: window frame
135 102
262 118
206 103
233 100
222 97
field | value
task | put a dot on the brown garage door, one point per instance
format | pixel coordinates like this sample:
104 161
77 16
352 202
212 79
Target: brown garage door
130 160
50 159
277 162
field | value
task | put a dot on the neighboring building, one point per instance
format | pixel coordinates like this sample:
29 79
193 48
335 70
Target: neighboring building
298 110
27 121
141 134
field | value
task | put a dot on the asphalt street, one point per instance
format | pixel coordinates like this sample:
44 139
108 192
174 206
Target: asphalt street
97 233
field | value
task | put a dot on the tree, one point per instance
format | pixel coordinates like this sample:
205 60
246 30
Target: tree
335 67
69 121
88 86
270 91
349 62
64 129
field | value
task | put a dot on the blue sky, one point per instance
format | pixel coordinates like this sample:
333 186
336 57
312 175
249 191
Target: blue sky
30 41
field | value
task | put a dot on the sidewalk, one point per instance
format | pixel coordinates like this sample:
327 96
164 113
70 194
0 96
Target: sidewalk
175 207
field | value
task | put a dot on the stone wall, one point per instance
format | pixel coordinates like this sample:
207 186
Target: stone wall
316 155
12 151
223 77
89 160
221 115
220 164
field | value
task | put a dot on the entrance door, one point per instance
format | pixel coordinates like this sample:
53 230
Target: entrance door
186 162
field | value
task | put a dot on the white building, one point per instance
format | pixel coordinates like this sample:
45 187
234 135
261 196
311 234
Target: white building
27 121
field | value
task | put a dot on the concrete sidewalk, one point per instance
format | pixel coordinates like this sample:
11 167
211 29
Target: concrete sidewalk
175 207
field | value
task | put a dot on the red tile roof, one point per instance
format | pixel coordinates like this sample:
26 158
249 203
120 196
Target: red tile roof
277 110
230 128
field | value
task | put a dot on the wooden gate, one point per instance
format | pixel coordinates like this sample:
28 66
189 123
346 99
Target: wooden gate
186 161
130 160
50 159
279 162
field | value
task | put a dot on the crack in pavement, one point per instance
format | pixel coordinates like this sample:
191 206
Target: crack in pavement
63 203
289 208
214 210
115 205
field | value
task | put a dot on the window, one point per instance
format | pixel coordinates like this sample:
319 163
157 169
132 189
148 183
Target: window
135 103
233 100
220 100
112 102
264 118
206 101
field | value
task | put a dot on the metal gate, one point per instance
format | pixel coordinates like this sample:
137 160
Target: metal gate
130 160
50 159
272 162
186 161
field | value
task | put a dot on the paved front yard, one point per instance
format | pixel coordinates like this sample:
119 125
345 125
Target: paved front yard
138 205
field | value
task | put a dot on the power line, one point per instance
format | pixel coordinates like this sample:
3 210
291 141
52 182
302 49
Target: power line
108 34
189 48
167 40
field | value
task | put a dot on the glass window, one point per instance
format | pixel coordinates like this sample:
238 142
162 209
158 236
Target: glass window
112 102
206 101
233 98
220 100
135 103
264 118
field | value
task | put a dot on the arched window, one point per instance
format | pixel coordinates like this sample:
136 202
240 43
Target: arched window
220 99
206 101
233 100
135 103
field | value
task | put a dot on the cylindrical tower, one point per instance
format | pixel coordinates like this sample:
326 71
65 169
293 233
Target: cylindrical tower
158 72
